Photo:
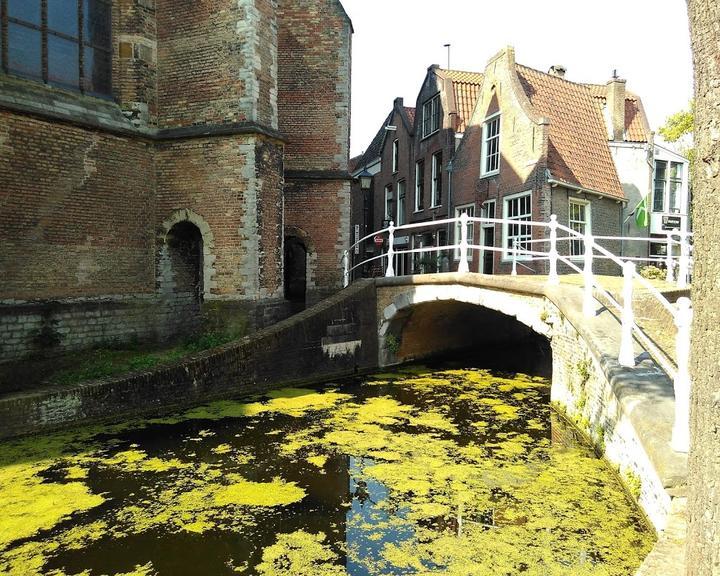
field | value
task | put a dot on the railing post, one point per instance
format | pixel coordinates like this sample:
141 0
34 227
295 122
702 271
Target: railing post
684 261
681 429
516 244
627 355
463 264
588 278
346 269
390 271
669 275
553 275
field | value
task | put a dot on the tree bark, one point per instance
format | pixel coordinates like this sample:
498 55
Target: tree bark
703 546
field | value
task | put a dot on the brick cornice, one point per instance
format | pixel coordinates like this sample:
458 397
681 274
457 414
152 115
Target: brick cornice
317 175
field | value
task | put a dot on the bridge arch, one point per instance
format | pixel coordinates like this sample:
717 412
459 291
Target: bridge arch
419 321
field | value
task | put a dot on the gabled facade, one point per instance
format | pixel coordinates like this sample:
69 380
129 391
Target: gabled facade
409 160
536 146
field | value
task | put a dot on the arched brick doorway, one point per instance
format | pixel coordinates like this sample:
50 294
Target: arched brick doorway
185 252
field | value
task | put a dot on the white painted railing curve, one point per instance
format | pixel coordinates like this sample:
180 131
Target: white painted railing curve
526 250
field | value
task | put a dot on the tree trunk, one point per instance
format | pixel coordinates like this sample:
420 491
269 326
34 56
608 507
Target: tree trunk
703 547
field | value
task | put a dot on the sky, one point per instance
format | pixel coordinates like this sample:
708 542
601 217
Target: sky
395 41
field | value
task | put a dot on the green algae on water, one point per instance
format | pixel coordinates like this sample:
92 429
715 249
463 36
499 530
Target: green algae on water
457 472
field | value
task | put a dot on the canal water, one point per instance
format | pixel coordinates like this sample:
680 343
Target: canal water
455 471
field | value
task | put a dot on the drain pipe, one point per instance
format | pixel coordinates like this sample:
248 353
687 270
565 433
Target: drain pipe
449 203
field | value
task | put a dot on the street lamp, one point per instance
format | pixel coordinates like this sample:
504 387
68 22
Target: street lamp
365 179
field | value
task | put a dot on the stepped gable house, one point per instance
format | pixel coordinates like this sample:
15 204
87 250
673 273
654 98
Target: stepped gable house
162 158
537 145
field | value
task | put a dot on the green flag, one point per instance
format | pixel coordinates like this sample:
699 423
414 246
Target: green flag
642 217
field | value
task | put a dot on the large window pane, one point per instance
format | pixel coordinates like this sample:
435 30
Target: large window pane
63 16
63 62
27 10
659 186
97 22
97 67
24 51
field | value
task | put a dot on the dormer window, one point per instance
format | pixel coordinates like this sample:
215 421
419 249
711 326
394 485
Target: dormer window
66 43
490 154
431 116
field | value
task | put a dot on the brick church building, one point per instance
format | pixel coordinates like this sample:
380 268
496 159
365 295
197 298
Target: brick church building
163 161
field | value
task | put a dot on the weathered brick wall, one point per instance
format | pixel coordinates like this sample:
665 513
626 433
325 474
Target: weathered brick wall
135 59
314 40
233 184
315 206
217 62
77 214
55 326
192 136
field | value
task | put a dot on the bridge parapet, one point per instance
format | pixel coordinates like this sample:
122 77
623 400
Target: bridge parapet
530 241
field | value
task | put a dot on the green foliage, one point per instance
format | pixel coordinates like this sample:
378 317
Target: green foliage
583 370
632 482
114 359
679 124
392 344
679 128
652 273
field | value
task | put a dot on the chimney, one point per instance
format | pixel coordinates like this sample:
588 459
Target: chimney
616 107
399 102
557 70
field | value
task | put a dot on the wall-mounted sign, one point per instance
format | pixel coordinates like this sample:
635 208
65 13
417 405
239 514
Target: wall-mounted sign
401 241
378 240
671 222
357 238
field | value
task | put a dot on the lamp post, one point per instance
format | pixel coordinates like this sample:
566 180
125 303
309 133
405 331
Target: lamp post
365 179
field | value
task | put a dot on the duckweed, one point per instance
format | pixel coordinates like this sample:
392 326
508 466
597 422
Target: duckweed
457 472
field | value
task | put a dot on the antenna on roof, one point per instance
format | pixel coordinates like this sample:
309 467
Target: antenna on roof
615 76
448 50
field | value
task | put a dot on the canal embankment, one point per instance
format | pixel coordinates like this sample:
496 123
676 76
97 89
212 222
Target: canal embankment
332 339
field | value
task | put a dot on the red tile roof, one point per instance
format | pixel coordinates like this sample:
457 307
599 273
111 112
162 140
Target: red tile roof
466 86
637 128
578 150
410 114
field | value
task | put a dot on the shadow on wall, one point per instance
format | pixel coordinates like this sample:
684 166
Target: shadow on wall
185 249
456 330
295 269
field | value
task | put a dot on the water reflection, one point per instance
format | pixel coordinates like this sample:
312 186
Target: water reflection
452 471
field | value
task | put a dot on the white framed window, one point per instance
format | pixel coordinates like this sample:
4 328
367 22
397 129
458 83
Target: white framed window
468 209
395 154
400 213
667 186
490 154
487 210
388 203
419 185
579 221
517 207
436 190
431 116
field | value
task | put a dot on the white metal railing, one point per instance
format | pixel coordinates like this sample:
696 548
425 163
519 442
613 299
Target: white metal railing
530 250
